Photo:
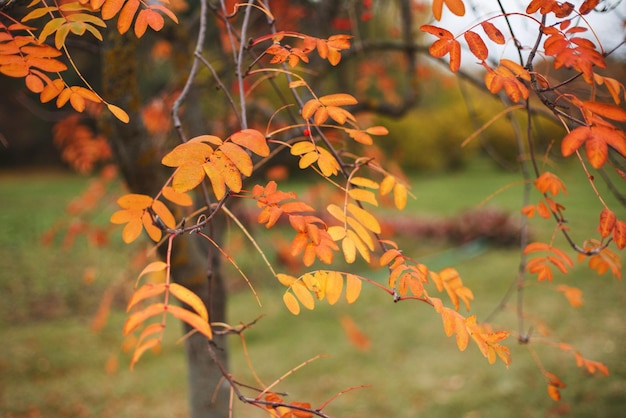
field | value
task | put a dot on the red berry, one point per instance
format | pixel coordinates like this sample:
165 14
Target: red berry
307 132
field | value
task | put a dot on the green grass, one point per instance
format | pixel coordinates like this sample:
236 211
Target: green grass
55 366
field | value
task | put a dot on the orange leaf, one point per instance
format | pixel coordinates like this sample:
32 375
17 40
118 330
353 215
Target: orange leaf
187 177
455 56
549 182
132 230
164 213
574 295
554 393
339 99
189 152
493 33
190 298
173 196
133 321
155 20
110 8
597 151
118 112
195 321
151 268
455 6
607 222
606 110
437 31
476 45
141 22
355 335
144 292
619 234
142 348
574 140
127 15
253 140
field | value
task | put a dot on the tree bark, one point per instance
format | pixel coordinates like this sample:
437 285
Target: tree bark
194 264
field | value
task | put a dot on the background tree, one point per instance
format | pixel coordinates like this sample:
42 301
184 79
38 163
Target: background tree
268 111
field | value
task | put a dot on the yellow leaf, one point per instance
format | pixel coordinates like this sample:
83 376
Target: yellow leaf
360 246
336 232
399 196
144 292
285 279
133 321
334 287
303 294
361 232
302 147
336 212
365 218
292 303
308 159
190 298
363 195
238 156
349 249
195 321
353 288
364 182
387 184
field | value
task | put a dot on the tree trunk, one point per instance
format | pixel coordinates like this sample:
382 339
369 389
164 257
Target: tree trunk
194 264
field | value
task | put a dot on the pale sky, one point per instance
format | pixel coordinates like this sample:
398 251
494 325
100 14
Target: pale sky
608 26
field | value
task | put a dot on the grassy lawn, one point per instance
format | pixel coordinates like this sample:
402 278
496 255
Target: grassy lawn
54 365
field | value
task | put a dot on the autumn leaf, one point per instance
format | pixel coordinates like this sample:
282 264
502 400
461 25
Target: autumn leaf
476 45
550 182
455 6
574 295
